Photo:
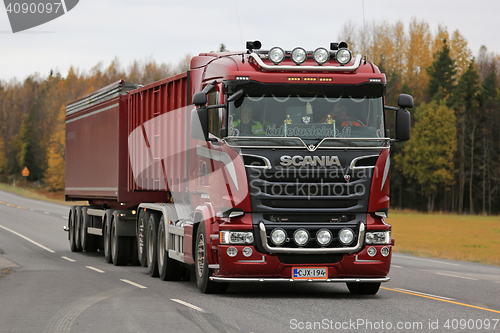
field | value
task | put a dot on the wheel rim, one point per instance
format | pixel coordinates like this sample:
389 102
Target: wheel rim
161 246
106 239
140 247
113 241
71 230
78 229
200 255
150 245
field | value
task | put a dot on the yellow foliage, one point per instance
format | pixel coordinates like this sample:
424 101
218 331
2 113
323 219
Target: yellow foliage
56 152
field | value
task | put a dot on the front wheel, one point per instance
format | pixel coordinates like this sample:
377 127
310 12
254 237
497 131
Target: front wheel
202 271
370 288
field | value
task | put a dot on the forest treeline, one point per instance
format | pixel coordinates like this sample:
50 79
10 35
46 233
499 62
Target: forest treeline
32 115
451 163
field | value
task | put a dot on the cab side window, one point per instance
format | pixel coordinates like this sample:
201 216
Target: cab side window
215 115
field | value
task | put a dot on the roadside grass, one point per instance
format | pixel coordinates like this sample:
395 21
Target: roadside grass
472 238
40 193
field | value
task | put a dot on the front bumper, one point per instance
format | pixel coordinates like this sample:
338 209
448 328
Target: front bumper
346 250
339 280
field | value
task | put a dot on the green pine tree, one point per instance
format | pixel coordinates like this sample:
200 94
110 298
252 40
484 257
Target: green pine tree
442 75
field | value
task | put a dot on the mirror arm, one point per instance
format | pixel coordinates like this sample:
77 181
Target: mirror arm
216 106
392 108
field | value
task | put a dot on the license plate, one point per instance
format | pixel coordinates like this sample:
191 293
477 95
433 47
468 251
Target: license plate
309 273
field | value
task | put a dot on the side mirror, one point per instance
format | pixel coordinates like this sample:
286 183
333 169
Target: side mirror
200 99
199 123
405 101
403 124
236 95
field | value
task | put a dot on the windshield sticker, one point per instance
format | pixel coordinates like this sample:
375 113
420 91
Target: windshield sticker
312 131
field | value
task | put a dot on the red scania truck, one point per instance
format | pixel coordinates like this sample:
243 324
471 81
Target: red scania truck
254 166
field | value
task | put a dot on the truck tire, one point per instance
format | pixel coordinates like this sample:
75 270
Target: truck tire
142 244
119 247
78 228
71 226
151 249
89 241
202 272
168 268
363 288
106 237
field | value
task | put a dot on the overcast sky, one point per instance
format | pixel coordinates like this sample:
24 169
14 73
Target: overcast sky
99 30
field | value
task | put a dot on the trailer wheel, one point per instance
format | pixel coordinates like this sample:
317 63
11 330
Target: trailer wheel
106 237
119 247
141 237
202 271
363 288
78 228
89 242
151 232
71 222
169 269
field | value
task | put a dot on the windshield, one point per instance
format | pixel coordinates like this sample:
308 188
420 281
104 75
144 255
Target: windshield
311 113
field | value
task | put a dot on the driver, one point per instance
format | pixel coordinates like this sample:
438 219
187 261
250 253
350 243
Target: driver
246 125
339 114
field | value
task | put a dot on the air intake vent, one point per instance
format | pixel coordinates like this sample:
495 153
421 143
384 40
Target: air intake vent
256 161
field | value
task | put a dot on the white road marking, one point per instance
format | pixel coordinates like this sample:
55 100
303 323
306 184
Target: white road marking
46 213
419 293
28 239
95 269
429 260
396 266
134 284
68 259
458 276
189 305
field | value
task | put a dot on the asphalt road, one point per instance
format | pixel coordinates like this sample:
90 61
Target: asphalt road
52 289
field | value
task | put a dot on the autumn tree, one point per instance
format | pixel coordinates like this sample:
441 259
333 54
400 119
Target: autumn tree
428 157
56 154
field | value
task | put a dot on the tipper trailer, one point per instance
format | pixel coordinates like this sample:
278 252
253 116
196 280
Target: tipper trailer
255 166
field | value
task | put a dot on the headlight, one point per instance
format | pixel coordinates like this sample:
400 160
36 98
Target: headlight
236 237
378 237
301 237
299 55
276 55
324 237
321 56
343 56
278 236
346 236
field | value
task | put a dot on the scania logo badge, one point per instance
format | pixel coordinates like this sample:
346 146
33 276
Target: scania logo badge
347 178
324 161
306 119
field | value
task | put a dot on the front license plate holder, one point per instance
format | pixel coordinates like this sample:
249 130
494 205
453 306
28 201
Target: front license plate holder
309 273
